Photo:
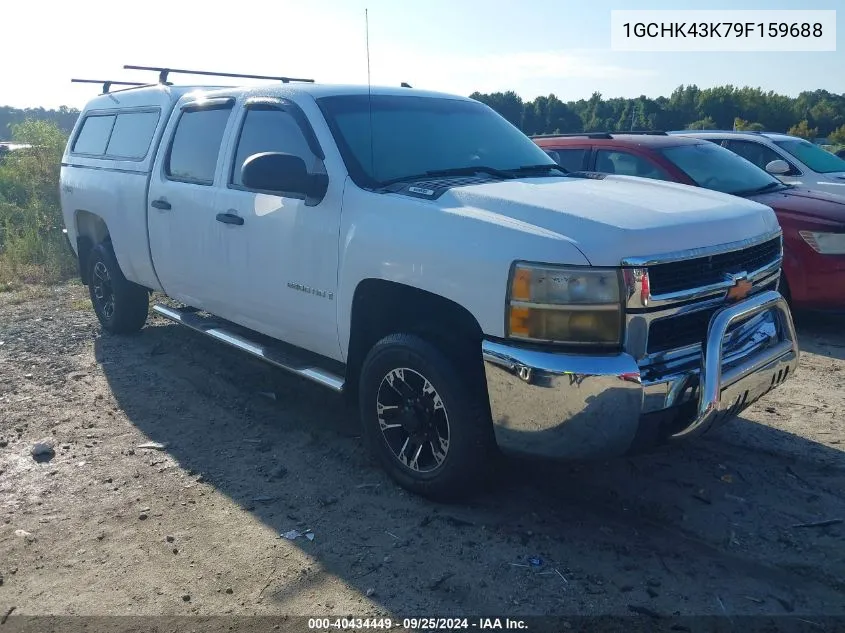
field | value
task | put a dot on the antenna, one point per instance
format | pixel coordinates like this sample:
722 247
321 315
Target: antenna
370 97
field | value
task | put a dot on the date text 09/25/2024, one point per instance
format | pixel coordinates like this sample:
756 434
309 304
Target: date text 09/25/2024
415 624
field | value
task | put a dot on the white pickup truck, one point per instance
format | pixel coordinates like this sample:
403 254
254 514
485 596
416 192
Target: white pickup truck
417 252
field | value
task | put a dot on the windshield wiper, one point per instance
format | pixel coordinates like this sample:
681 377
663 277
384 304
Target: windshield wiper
763 189
452 171
531 169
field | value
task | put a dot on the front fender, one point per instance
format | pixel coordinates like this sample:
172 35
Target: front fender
464 255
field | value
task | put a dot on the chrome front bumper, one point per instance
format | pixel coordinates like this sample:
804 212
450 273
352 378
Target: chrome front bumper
585 407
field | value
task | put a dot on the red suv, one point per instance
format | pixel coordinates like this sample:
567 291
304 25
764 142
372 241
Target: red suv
813 223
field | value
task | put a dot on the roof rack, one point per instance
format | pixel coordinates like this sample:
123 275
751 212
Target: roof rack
575 134
164 72
719 131
602 135
107 83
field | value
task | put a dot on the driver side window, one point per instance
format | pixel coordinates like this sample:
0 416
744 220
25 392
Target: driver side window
270 129
757 153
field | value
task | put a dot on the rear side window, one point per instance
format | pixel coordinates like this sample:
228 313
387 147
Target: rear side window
196 145
122 135
569 159
270 130
94 135
132 134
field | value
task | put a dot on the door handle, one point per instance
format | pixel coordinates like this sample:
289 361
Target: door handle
164 205
230 218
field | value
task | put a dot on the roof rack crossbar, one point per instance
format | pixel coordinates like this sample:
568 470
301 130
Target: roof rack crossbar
163 74
107 83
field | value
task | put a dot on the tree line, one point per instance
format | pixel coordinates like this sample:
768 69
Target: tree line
810 115
64 118
814 114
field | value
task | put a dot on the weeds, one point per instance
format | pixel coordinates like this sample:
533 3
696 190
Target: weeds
33 249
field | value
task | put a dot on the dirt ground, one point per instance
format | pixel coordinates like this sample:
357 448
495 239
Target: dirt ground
109 527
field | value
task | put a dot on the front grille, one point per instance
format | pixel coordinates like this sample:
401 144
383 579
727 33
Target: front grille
678 331
685 329
704 271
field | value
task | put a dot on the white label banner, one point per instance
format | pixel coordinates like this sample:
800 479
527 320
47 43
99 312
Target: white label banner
712 31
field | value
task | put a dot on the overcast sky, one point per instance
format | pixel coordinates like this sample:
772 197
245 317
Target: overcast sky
460 46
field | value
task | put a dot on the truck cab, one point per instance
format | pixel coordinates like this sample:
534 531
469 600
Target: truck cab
416 252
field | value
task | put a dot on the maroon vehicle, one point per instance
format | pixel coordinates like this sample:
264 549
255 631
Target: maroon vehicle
813 222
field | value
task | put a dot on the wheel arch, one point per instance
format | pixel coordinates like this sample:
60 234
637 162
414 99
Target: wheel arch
91 229
381 307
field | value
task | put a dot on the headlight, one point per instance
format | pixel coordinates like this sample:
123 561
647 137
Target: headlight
825 243
580 306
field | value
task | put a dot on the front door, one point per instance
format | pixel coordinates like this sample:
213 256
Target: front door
283 251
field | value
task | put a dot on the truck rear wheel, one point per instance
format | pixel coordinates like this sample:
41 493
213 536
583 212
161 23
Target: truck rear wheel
426 422
120 305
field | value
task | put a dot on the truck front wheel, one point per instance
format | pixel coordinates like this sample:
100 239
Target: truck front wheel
425 421
120 305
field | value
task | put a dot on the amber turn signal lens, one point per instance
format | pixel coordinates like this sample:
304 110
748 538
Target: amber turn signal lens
580 326
521 285
519 321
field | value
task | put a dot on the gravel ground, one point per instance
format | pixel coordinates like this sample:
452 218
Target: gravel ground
106 526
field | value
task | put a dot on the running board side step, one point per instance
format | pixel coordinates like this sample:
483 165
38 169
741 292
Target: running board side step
224 332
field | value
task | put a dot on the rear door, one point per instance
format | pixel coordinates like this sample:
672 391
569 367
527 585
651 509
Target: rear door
183 231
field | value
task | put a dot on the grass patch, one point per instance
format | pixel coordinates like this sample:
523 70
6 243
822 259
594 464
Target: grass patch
31 258
24 294
33 248
80 304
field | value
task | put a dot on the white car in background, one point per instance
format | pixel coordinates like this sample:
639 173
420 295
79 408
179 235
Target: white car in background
794 160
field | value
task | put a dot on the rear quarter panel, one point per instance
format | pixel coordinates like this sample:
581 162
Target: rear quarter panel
115 190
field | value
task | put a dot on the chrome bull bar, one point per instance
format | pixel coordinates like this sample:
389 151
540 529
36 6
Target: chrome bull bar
724 392
577 406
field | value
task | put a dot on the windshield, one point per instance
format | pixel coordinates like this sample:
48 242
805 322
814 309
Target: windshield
714 167
813 156
414 135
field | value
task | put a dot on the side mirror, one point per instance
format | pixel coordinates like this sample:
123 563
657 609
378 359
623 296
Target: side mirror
275 172
778 167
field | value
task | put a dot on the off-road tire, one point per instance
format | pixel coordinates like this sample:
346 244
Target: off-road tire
471 453
121 305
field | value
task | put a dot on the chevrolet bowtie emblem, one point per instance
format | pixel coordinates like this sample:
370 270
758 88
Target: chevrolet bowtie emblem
741 288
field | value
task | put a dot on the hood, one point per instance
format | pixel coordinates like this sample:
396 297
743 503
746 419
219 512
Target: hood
614 217
808 202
